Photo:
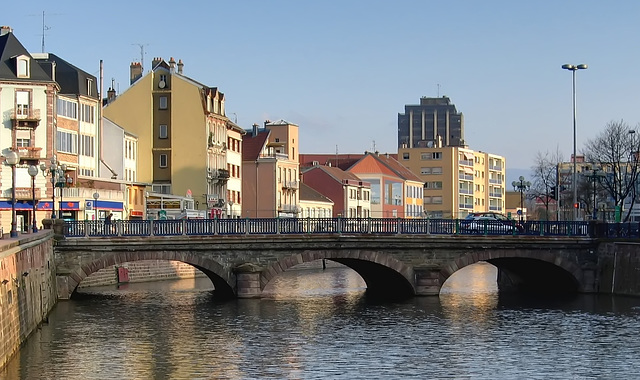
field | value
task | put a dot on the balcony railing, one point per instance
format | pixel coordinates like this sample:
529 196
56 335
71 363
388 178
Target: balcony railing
29 152
495 181
466 177
465 191
290 184
466 162
495 195
25 193
31 114
495 167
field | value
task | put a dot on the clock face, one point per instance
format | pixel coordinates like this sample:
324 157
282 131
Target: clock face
162 84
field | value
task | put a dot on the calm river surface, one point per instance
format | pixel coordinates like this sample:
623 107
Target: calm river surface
318 325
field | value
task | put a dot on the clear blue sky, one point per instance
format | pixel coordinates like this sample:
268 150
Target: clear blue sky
343 70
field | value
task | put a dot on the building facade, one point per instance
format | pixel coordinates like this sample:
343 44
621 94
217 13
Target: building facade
351 195
182 134
433 122
457 180
271 170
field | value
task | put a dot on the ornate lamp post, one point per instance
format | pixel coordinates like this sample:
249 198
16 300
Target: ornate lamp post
12 159
574 184
56 171
95 202
33 172
521 185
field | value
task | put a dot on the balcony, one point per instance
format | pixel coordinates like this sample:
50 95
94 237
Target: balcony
465 191
29 152
495 167
290 184
495 181
216 175
25 193
495 195
466 177
25 118
466 162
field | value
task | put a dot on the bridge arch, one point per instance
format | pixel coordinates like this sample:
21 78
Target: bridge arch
223 282
530 271
385 276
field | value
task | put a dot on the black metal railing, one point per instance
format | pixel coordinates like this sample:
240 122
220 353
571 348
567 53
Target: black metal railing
262 226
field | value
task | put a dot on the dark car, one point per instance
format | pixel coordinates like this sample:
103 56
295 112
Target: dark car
490 222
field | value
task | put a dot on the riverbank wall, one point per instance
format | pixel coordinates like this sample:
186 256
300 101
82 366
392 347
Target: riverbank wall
27 288
141 271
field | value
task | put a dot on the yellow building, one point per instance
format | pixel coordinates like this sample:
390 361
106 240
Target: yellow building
182 134
457 180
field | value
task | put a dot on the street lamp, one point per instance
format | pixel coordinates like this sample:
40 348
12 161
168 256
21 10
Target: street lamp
521 185
95 201
57 172
62 183
12 159
596 174
33 172
573 69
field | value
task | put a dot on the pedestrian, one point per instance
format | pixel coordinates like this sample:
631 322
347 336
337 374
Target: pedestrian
107 220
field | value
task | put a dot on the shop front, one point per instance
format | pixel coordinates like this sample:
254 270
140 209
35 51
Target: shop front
98 209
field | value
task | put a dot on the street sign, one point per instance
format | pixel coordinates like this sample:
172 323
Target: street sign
162 215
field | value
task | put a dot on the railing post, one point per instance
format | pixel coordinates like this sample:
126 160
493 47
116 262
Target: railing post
86 228
216 226
339 224
246 226
542 224
457 231
399 226
184 226
428 227
119 227
278 225
151 227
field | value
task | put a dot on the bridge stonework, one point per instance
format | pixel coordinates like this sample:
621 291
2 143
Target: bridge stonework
391 265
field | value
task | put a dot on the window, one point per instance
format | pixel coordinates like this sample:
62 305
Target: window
163 131
87 113
86 145
67 142
425 171
23 67
436 170
22 102
436 200
405 156
431 156
89 87
433 185
67 108
161 189
86 172
23 142
163 102
163 160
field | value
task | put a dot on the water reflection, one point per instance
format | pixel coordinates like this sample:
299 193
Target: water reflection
319 324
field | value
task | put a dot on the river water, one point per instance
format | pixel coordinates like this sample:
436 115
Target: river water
317 324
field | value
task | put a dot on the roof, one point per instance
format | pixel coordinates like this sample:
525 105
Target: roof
10 48
336 173
342 161
397 167
253 145
310 195
72 80
280 122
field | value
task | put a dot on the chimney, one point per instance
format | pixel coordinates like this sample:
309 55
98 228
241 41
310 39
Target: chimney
266 122
180 66
136 71
5 30
172 65
255 129
111 94
155 62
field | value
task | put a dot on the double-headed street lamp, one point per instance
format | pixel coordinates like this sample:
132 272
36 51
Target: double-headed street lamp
573 69
13 158
56 171
33 172
521 185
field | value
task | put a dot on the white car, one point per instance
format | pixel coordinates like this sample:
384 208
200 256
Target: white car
492 222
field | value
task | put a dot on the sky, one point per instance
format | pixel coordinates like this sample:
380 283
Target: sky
343 70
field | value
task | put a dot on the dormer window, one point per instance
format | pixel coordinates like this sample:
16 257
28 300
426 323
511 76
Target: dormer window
23 68
89 87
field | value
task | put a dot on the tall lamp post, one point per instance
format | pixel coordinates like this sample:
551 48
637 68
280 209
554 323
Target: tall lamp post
573 69
95 202
521 185
12 159
56 171
33 172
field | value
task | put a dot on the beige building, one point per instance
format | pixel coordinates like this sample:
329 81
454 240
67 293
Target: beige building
183 135
457 180
271 171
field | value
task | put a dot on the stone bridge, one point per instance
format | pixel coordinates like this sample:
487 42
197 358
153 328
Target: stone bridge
393 266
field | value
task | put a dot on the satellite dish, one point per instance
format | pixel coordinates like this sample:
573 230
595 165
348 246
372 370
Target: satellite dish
429 144
162 84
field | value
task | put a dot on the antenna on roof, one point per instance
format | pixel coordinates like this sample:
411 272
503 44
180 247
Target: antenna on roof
438 90
44 29
141 54
374 145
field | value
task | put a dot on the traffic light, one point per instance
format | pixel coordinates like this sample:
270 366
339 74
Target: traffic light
576 205
552 192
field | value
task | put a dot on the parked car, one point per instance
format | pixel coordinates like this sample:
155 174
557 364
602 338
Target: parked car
491 222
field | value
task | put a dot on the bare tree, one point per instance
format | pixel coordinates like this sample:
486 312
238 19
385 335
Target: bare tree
544 187
615 151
